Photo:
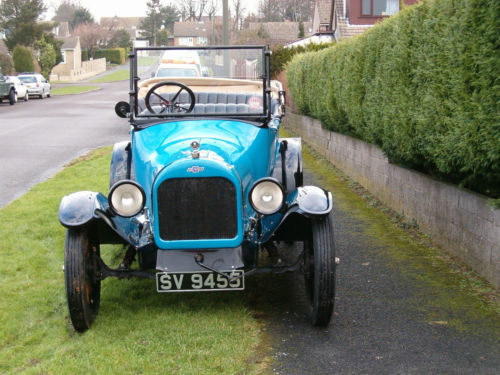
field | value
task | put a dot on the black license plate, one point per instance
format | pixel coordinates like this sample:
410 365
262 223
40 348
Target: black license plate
198 281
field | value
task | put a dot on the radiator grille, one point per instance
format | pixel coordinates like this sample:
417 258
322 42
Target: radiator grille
197 208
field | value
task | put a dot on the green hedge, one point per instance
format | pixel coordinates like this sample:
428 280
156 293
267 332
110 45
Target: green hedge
424 85
281 55
113 55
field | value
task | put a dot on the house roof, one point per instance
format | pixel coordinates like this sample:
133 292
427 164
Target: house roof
192 29
122 22
70 42
281 32
62 29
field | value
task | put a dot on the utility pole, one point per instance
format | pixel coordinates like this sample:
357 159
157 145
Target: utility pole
225 36
225 22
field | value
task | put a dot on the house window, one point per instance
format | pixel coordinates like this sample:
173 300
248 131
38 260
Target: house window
379 7
63 53
186 41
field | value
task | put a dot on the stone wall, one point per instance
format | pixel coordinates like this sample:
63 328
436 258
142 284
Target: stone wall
88 69
458 220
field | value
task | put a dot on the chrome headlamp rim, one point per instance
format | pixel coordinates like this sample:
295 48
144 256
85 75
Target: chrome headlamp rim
274 181
117 185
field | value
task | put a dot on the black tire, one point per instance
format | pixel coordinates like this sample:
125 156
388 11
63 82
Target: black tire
319 270
83 287
12 97
41 95
26 97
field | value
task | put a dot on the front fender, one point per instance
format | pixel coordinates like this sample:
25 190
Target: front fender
312 200
77 209
85 207
302 205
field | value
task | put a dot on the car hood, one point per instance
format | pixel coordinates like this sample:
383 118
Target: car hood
247 148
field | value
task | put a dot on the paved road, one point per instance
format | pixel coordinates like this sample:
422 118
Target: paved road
39 137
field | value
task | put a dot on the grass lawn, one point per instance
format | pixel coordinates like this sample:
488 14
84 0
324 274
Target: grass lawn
137 330
146 60
119 75
68 90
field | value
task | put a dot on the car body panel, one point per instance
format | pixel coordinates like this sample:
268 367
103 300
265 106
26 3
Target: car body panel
237 150
35 83
5 87
21 88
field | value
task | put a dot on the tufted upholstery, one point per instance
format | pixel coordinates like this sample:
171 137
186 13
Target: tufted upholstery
212 102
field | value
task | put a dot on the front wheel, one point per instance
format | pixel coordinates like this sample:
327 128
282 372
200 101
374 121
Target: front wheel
319 270
83 285
12 97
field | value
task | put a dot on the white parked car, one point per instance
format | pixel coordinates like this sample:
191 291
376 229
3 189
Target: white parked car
20 87
36 83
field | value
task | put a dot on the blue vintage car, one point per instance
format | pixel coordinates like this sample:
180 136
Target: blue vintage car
204 186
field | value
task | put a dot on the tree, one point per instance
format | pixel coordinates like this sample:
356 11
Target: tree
46 56
80 16
6 64
270 10
301 29
91 35
120 38
157 18
19 21
298 10
64 12
151 23
238 11
211 9
23 60
56 44
169 15
189 9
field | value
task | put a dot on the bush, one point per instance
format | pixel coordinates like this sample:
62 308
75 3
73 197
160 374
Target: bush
85 55
423 85
113 55
46 57
23 60
6 64
281 55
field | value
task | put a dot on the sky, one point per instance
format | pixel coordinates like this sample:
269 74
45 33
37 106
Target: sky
127 8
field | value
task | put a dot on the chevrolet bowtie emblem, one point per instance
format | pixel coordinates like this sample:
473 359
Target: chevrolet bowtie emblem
196 169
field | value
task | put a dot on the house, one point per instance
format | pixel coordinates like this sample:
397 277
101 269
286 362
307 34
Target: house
71 68
61 30
131 24
192 33
279 33
71 52
341 19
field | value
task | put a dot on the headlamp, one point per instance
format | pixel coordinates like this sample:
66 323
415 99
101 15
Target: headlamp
126 198
266 196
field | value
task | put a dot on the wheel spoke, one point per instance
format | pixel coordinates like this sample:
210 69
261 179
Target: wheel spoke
162 99
176 95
